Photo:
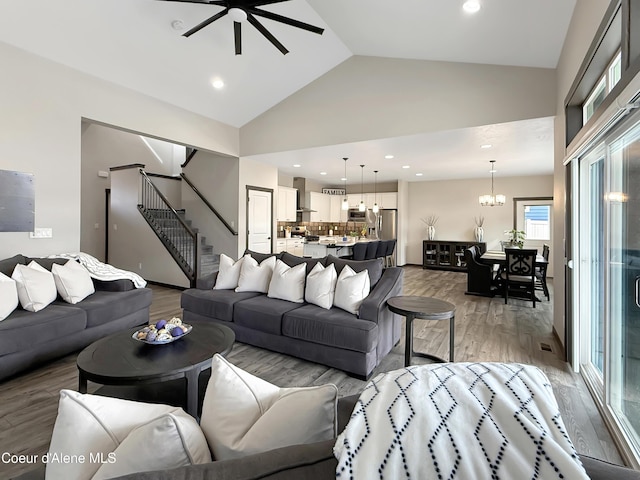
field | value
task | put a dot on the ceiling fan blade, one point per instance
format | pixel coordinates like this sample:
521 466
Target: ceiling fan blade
208 21
222 3
237 34
254 21
259 3
286 20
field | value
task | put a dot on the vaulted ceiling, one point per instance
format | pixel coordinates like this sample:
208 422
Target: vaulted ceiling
139 44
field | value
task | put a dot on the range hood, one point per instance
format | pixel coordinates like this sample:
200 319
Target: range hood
300 184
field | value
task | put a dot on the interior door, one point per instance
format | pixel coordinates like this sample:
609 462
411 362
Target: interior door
259 220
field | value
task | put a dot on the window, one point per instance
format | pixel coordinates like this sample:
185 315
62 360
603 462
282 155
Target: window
537 222
606 83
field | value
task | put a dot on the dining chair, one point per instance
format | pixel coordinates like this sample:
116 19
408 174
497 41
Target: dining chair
541 272
372 249
519 272
479 275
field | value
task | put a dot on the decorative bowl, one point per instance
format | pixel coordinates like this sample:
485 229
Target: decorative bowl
138 335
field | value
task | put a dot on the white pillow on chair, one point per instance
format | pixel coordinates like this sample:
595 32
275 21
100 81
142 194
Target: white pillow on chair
287 283
73 281
321 285
254 277
36 287
243 414
351 289
8 296
229 273
138 436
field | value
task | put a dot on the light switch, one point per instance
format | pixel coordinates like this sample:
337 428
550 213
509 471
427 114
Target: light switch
41 233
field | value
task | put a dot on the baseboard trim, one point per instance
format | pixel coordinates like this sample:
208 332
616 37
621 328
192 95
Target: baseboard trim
166 285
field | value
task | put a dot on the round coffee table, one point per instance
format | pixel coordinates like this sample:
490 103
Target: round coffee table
424 308
122 361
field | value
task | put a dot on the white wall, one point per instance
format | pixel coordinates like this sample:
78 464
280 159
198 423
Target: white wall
254 174
370 97
587 16
455 202
43 104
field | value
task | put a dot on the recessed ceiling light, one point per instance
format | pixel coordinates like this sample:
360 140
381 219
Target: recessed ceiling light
217 83
486 145
297 165
343 179
323 173
418 174
388 157
406 166
471 6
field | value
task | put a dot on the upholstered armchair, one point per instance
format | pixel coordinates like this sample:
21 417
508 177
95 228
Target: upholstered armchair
479 275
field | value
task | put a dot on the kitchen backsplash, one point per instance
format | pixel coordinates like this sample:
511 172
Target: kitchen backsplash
322 228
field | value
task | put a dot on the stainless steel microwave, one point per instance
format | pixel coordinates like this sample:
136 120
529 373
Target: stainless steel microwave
356 215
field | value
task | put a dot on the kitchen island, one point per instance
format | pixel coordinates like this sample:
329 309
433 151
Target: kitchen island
331 246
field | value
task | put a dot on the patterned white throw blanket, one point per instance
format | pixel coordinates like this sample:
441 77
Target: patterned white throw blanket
103 271
457 421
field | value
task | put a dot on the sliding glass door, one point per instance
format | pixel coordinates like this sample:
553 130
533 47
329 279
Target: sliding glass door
609 277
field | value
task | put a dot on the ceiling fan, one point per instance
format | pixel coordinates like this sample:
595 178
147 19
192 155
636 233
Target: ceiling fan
241 10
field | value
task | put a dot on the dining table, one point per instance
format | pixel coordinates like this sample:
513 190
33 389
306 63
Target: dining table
498 257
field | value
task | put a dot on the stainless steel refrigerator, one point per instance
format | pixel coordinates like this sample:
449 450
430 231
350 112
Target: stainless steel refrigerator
387 224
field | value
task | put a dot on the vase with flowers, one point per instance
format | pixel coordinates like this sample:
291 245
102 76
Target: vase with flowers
478 231
515 238
430 221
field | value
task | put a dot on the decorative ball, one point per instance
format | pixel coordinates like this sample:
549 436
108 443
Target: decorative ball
151 336
160 325
176 332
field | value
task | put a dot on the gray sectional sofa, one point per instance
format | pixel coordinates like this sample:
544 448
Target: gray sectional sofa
334 337
28 339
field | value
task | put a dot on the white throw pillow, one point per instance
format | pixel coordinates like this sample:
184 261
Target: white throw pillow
36 287
73 281
243 414
8 296
321 285
254 277
287 283
138 436
351 289
229 273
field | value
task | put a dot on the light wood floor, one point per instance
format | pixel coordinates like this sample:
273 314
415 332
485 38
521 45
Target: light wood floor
486 330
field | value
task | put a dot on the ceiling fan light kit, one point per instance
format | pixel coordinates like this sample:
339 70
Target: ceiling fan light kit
247 10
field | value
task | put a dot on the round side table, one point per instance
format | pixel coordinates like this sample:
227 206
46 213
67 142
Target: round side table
424 308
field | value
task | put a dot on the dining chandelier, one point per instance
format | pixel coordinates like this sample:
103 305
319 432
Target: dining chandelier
492 200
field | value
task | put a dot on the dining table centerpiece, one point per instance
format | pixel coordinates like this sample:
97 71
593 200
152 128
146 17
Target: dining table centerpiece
515 238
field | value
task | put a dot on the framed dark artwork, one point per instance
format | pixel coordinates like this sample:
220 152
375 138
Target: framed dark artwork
17 201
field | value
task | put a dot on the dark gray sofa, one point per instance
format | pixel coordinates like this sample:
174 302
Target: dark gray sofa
354 344
314 461
28 339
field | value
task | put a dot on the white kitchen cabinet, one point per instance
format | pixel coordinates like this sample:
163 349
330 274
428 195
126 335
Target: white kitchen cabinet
287 204
321 203
295 246
281 245
388 200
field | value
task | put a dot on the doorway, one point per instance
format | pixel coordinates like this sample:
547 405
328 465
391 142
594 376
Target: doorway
259 219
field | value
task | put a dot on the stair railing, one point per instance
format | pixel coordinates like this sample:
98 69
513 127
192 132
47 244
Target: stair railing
179 239
208 204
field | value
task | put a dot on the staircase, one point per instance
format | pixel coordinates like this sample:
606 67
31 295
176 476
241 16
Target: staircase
170 229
